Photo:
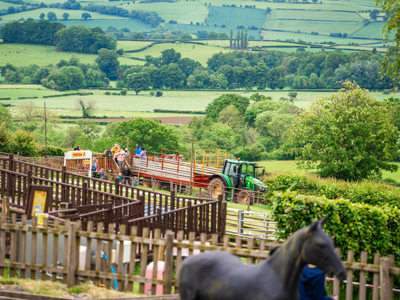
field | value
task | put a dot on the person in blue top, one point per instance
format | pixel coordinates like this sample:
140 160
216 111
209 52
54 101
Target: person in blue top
312 284
138 150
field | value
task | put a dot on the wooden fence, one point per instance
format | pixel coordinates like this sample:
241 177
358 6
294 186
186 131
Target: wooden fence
89 198
68 253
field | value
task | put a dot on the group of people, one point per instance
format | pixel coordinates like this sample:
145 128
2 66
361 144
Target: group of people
119 157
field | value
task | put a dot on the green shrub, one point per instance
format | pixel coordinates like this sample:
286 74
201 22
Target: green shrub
356 226
367 192
159 94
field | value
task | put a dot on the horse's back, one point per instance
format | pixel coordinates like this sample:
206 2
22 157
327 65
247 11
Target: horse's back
218 275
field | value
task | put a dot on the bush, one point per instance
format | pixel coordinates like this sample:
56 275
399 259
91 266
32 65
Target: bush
356 226
159 94
367 192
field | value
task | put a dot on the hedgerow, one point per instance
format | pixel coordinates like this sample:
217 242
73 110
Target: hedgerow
356 226
367 192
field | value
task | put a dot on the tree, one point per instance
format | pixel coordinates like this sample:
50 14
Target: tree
108 63
218 104
66 78
42 16
138 82
65 16
150 134
348 135
87 107
86 16
23 143
51 16
391 29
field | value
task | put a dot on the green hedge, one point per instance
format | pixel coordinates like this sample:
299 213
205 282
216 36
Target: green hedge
367 192
356 226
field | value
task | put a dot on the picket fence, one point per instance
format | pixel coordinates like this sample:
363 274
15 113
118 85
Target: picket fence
68 253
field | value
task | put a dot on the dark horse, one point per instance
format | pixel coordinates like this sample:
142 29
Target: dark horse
222 276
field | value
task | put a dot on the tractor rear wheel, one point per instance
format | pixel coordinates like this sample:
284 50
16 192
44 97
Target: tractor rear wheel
216 187
245 197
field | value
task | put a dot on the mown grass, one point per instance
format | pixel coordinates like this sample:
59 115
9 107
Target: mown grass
181 11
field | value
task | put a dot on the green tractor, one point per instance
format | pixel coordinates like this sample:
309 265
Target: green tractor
238 181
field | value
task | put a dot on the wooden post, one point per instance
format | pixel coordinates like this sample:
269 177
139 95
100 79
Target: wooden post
71 255
169 262
375 278
349 276
386 292
84 194
5 207
117 186
336 281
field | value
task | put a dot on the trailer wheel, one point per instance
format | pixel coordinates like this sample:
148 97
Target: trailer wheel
245 197
216 187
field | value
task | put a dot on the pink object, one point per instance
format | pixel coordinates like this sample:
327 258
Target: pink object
160 275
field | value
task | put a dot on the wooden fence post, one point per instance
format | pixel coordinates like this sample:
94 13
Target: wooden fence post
84 193
64 179
386 292
11 162
169 263
117 186
349 276
71 255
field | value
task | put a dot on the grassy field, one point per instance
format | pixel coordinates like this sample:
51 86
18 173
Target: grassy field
272 166
181 11
371 30
138 105
73 14
278 35
132 24
197 52
25 55
233 16
318 15
132 45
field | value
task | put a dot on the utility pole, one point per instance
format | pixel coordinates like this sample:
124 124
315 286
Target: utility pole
45 128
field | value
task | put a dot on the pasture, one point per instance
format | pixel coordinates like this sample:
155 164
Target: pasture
182 11
132 24
132 45
127 106
201 53
273 166
233 16
73 14
25 55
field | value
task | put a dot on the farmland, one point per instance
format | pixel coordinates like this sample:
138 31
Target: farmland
200 53
25 55
144 102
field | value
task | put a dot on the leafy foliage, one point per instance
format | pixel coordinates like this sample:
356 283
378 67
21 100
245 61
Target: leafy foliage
355 226
217 105
347 136
150 134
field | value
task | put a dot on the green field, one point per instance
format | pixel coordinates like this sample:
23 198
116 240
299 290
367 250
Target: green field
371 30
181 11
318 15
132 45
116 105
272 166
73 14
25 55
200 53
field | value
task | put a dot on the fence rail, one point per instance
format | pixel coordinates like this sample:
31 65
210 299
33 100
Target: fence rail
86 199
68 253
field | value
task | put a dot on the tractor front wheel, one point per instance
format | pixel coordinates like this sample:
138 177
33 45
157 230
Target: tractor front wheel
216 187
245 197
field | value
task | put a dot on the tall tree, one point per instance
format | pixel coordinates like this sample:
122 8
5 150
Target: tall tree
108 63
348 135
391 63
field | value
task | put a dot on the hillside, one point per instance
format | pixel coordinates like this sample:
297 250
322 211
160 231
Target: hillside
340 22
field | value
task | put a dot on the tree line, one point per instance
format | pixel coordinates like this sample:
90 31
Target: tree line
77 38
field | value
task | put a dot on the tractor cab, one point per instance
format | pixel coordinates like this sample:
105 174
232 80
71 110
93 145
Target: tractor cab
238 180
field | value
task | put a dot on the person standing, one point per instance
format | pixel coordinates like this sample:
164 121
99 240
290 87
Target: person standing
120 158
138 150
95 167
126 172
143 154
312 284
